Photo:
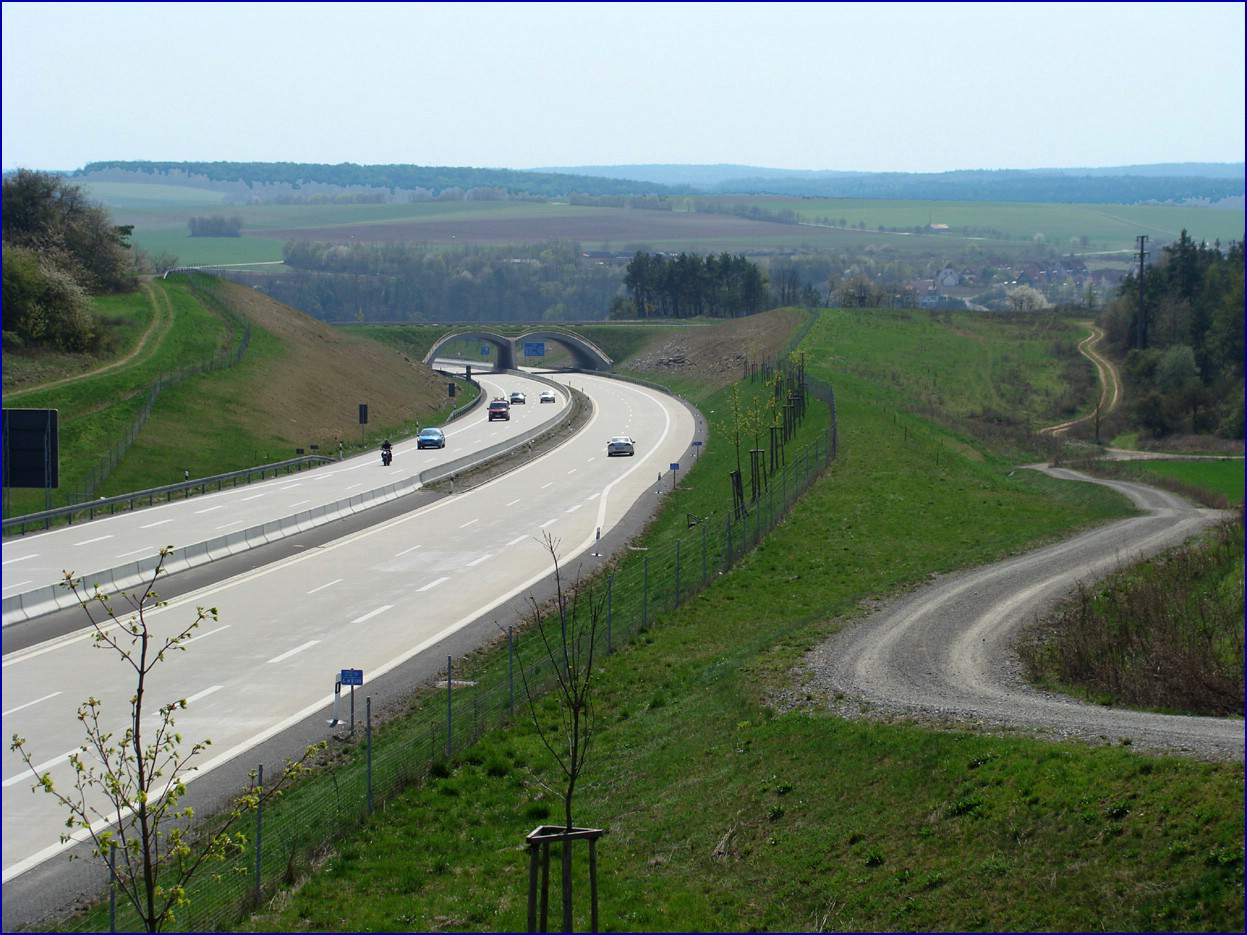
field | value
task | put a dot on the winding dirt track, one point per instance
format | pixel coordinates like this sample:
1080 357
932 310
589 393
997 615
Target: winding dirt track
1110 382
157 329
944 653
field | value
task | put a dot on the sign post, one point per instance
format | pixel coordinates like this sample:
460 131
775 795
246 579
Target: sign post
350 677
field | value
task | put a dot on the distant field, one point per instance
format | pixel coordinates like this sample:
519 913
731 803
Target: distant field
160 213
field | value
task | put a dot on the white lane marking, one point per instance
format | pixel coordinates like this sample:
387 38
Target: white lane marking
544 486
96 539
515 501
549 522
573 470
469 523
135 551
517 540
40 767
297 649
204 636
291 486
236 522
483 558
205 693
254 496
16 584
353 486
405 551
431 584
153 525
594 496
573 509
211 509
372 613
28 704
22 559
300 502
322 587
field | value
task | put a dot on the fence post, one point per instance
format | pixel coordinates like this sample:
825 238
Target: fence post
368 742
112 888
450 721
510 672
610 581
677 572
645 592
703 555
259 827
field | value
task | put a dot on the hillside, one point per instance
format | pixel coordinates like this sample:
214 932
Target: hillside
312 389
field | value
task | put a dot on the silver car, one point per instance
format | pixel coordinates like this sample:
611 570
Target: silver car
620 445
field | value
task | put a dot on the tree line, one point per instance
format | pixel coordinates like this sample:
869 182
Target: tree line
1179 326
689 285
406 282
296 175
215 226
60 248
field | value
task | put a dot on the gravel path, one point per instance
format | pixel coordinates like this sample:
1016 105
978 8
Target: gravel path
944 654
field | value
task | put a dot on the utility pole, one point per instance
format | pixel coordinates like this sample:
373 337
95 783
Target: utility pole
1140 322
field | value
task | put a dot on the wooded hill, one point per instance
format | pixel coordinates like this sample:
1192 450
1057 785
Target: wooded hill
1129 185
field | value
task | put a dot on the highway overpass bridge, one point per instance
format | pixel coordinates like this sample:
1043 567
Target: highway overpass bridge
508 348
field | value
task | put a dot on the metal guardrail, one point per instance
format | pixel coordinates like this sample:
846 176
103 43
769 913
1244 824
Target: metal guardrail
109 505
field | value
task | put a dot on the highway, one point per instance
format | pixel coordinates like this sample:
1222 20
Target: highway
370 600
116 551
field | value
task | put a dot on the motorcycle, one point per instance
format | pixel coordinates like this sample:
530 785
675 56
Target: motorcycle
387 455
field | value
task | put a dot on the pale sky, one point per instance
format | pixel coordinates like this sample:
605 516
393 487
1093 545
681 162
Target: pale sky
922 87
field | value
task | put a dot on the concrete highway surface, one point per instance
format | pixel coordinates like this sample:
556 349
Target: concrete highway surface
370 600
119 550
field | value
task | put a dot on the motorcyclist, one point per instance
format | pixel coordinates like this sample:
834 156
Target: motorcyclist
387 452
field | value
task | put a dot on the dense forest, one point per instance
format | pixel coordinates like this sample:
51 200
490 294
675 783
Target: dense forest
60 248
688 285
1182 339
403 282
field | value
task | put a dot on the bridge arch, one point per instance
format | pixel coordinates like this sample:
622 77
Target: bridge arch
585 354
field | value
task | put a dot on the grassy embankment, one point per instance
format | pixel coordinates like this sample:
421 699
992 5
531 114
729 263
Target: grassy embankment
726 815
286 393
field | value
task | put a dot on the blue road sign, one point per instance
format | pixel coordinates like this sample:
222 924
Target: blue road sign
534 349
352 677
484 350
675 465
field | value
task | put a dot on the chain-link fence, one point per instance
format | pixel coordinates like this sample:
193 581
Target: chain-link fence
287 833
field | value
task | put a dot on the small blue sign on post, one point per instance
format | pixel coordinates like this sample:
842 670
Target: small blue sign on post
352 677
484 350
534 349
675 467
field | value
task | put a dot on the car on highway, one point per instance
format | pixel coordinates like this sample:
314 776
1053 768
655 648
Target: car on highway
547 396
499 408
620 445
518 398
431 438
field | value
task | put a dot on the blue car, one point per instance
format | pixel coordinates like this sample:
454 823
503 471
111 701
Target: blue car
431 438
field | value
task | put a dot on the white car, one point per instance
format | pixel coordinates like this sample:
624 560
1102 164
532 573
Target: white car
620 445
548 396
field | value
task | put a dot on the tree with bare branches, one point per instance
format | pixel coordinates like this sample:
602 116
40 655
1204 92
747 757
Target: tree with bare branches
127 791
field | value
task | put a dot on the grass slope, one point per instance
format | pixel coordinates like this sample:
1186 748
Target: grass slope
730 810
299 383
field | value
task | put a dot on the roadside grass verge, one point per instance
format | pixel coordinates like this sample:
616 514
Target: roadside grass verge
724 815
1163 635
